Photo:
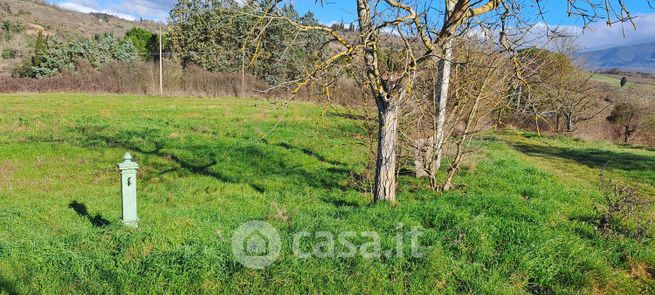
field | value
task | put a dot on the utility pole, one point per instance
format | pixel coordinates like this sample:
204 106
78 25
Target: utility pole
243 72
161 69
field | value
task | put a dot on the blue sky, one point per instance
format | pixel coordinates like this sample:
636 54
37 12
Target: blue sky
336 10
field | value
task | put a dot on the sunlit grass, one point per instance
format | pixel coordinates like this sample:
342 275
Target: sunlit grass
521 220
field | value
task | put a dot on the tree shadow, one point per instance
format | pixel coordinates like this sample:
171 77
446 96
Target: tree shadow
341 203
7 286
307 152
347 115
636 147
590 157
255 164
96 220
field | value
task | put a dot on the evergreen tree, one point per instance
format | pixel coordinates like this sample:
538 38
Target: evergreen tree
39 49
219 34
141 39
54 55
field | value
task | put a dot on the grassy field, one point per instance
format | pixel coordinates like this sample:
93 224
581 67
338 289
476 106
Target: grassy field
521 221
615 81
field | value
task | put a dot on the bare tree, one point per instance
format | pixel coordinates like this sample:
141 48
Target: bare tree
441 86
482 82
559 89
410 32
629 114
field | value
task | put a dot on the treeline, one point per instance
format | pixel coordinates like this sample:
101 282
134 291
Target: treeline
560 97
627 73
218 36
54 55
228 36
140 78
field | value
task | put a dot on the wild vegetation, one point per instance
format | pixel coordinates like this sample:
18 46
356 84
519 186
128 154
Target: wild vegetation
53 55
226 36
147 43
530 88
22 20
415 127
522 219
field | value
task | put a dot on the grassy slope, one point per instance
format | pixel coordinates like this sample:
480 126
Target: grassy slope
519 223
615 81
34 16
52 20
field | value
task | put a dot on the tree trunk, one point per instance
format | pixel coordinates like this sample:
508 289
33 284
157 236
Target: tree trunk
441 102
388 107
518 97
385 166
441 98
626 134
570 126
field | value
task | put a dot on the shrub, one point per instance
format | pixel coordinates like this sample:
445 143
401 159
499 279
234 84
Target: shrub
5 7
55 55
649 124
133 78
627 116
8 53
623 209
23 70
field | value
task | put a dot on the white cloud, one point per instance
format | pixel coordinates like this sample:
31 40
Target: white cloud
151 9
86 9
127 9
76 7
602 36
597 36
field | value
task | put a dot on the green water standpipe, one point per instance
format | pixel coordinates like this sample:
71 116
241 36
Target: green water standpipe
128 170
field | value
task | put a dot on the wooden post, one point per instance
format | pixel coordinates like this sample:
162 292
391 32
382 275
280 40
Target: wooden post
243 72
161 62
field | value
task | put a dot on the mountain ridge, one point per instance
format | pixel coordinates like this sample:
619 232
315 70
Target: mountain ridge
638 57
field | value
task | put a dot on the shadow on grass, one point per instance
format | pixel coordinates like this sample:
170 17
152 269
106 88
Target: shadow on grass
96 220
6 286
255 164
636 147
308 152
341 203
348 115
590 157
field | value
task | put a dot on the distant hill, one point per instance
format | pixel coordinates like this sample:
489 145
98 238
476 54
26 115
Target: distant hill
635 57
22 20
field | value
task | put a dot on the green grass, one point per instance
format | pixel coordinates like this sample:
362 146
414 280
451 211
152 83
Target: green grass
615 81
608 80
521 221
